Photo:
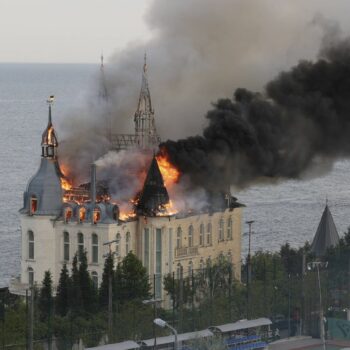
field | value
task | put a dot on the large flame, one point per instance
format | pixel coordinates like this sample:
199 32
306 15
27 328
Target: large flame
65 182
170 174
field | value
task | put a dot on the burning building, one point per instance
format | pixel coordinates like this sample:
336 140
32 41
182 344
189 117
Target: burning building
59 221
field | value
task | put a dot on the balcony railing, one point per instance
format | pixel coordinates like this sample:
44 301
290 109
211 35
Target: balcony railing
186 251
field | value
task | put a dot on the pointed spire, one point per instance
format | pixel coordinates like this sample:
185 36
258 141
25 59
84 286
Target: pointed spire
145 63
145 129
49 141
50 101
326 235
154 195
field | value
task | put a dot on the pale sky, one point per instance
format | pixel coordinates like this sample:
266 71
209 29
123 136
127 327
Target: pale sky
69 30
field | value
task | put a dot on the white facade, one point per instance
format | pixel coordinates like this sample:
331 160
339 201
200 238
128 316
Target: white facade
163 244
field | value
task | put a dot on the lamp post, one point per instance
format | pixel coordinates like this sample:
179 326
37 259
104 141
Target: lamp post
249 268
153 302
316 265
161 323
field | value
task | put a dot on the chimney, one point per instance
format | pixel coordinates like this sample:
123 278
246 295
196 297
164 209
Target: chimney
93 189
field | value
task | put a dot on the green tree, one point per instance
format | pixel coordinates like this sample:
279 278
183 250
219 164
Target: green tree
74 298
62 296
87 290
107 272
45 297
131 279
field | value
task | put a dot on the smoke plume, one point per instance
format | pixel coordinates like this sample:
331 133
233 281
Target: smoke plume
201 50
302 119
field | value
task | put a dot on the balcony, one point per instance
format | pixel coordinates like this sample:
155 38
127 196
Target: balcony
186 251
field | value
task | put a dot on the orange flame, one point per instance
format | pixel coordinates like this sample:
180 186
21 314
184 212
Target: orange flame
65 182
170 174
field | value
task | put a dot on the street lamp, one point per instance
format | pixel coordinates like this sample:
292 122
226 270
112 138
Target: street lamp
162 324
153 302
310 266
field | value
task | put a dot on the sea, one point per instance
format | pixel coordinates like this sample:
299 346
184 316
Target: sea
288 211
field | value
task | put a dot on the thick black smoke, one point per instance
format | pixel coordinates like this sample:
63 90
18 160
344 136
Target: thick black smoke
302 120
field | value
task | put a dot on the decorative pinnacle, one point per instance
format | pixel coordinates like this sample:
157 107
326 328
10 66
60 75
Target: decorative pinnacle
50 101
145 63
102 60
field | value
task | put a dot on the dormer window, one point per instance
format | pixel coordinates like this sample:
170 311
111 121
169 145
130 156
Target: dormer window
82 214
96 215
68 213
33 204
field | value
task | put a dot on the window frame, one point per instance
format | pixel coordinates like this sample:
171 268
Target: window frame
31 245
94 248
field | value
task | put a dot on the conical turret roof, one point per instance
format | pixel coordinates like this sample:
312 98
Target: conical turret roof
326 235
154 195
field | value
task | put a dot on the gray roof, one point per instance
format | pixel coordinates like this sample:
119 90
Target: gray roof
326 235
242 324
125 345
169 339
46 186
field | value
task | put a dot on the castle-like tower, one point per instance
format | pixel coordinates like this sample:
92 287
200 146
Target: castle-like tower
55 227
145 126
145 136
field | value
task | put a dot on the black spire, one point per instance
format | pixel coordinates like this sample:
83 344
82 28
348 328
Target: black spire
326 235
154 195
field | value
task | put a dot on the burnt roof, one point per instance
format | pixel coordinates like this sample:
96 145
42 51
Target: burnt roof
154 195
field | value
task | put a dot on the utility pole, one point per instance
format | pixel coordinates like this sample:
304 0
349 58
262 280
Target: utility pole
249 268
110 290
181 294
31 317
317 265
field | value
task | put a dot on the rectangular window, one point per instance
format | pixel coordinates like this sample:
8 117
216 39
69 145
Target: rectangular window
170 249
66 251
158 271
95 254
31 250
146 249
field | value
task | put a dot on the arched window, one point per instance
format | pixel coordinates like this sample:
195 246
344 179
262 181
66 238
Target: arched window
65 246
178 271
209 229
229 228
33 204
96 215
80 244
221 230
94 247
201 235
68 213
30 276
179 238
190 269
127 243
82 214
94 277
117 244
190 236
30 245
